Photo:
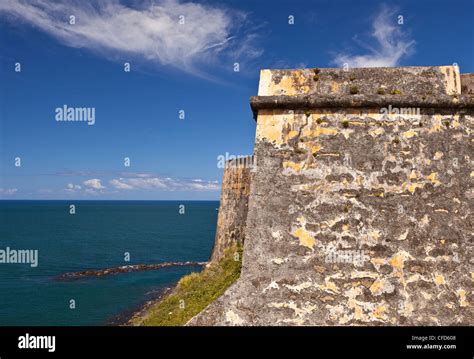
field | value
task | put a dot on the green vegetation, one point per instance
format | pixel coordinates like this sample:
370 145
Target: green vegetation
396 92
354 90
381 91
316 74
194 292
345 124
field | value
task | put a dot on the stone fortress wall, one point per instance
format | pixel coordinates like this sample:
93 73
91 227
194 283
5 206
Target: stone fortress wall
360 209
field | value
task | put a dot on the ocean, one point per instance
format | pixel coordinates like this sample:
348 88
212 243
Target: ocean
99 235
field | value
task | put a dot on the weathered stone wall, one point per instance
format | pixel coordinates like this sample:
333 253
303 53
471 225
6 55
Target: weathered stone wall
467 83
233 207
356 218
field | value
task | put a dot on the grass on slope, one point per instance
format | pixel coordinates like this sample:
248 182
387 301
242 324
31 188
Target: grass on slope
194 292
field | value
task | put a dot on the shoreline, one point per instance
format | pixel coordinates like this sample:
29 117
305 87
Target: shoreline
125 317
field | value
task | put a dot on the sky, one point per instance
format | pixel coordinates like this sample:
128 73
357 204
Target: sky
158 130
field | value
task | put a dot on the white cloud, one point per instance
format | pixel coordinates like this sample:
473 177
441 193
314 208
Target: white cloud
119 184
164 184
391 43
150 32
93 184
73 187
8 191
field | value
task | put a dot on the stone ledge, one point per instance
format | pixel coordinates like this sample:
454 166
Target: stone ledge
424 80
358 101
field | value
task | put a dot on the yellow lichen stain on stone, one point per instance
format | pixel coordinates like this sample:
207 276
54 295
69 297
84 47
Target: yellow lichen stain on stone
326 298
374 234
299 287
332 287
398 260
403 236
425 221
357 123
455 121
379 312
408 309
292 134
327 131
319 269
278 261
462 298
269 127
315 148
305 238
452 79
377 132
377 262
439 279
410 133
413 278
294 166
433 178
438 155
436 124
413 175
377 193
289 85
413 186
358 313
376 287
346 133
233 318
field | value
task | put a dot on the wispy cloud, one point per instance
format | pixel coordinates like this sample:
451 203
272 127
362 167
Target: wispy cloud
390 43
8 191
167 32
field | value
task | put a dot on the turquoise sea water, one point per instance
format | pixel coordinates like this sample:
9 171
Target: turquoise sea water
97 236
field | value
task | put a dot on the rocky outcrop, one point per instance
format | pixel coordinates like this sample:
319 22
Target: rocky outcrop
233 207
125 269
360 212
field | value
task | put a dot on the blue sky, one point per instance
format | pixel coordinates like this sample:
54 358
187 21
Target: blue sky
179 66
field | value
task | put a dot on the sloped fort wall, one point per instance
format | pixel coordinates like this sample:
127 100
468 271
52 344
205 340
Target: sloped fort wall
233 207
358 215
